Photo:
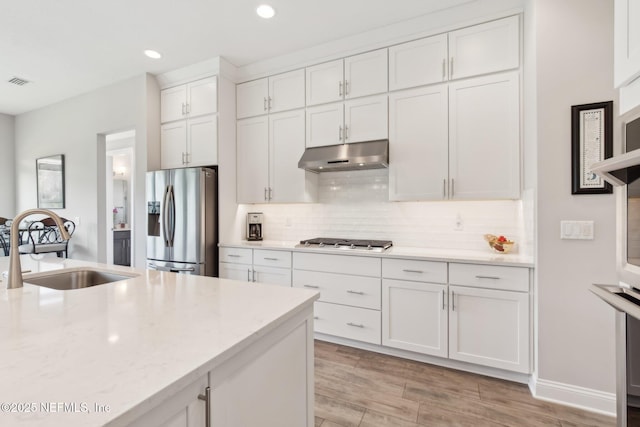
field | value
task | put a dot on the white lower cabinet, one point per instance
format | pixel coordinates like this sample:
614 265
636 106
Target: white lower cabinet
256 265
414 316
354 323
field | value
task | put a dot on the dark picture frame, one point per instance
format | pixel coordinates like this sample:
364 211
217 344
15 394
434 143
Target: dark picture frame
591 141
50 179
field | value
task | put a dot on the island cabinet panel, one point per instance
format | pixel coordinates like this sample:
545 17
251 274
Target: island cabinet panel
267 386
489 327
183 409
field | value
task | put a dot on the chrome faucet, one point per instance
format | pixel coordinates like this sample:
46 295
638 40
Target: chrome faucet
15 269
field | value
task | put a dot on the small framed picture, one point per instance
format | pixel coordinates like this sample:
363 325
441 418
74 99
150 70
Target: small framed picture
50 179
591 142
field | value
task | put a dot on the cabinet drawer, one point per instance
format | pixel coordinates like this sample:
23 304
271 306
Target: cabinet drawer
236 255
354 323
272 258
418 271
346 264
272 275
489 276
357 291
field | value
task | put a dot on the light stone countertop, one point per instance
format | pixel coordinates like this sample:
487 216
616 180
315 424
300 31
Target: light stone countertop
128 344
405 252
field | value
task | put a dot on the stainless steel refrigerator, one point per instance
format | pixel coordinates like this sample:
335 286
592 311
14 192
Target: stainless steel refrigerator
182 221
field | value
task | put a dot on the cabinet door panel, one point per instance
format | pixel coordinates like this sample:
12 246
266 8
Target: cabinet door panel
272 275
172 103
324 82
366 74
286 145
253 157
173 144
366 119
202 137
251 98
484 48
235 272
325 125
418 63
286 91
489 328
626 41
484 137
203 97
414 316
417 136
354 323
356 291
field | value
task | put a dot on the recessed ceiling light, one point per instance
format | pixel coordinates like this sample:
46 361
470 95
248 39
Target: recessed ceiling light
152 54
265 11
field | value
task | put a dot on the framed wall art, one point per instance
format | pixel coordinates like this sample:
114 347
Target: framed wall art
591 142
50 177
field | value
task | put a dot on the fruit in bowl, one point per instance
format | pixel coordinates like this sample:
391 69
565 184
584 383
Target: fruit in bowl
499 244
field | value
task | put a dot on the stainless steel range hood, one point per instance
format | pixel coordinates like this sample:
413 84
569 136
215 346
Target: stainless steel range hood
344 157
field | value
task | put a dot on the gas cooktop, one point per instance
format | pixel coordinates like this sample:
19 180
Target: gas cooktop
346 244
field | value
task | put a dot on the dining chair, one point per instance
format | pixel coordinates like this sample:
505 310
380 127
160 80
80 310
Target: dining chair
44 237
4 235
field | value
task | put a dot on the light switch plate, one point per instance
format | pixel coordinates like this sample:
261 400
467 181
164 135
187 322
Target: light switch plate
576 230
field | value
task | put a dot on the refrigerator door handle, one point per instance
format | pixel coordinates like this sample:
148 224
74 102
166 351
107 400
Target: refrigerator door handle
172 220
153 266
165 216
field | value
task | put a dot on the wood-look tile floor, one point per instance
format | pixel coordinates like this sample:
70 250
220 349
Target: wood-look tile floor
357 388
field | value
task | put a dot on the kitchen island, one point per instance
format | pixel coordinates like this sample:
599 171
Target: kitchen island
140 351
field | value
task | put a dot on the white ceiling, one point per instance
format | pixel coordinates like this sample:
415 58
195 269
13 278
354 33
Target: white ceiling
69 47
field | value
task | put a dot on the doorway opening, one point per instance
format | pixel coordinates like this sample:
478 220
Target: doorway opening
119 196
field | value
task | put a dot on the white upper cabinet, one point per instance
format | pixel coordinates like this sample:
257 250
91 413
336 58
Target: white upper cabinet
366 119
189 100
325 82
270 95
484 137
173 137
252 136
417 63
626 41
325 125
418 136
365 74
202 147
352 77
485 48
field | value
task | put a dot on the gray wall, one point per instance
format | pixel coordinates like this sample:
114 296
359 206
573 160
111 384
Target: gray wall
76 128
574 65
7 161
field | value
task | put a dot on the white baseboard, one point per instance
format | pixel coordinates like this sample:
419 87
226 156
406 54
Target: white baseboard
575 396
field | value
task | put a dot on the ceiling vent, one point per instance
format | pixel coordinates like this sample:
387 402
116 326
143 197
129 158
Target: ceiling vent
18 81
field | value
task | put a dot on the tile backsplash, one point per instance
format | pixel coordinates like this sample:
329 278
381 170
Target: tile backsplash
356 205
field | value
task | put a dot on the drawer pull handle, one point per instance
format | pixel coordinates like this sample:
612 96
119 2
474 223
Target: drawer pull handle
453 301
413 271
271 259
315 317
443 299
488 277
311 286
356 325
349 291
233 256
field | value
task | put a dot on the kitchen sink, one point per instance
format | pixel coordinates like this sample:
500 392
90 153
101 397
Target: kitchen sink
77 278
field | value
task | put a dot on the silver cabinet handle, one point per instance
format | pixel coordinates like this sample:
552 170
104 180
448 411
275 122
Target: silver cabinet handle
346 87
453 301
271 259
346 132
270 193
315 317
233 256
356 325
265 194
264 104
311 286
443 299
451 68
413 271
452 188
184 111
339 133
444 188
340 88
207 401
188 108
444 68
253 275
349 291
248 273
488 277
269 103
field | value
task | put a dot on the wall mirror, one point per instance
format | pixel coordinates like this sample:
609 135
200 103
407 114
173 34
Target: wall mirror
50 175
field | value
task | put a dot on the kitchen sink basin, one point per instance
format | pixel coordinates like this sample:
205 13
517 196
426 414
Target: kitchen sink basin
77 278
